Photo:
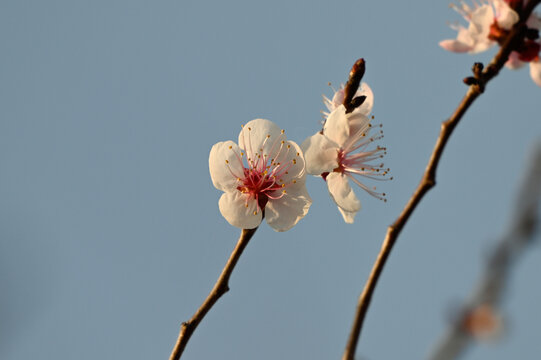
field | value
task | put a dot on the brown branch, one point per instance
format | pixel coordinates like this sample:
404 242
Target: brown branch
429 177
221 287
489 292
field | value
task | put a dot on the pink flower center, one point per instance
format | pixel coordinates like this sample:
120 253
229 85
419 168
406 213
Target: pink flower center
263 179
260 186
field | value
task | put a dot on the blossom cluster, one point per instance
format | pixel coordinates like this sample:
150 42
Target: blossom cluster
264 175
490 22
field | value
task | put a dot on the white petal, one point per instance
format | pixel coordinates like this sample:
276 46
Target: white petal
282 214
337 99
481 19
358 124
534 21
366 107
291 160
349 216
320 154
505 16
342 193
479 29
225 165
455 46
336 127
535 71
260 137
233 206
513 62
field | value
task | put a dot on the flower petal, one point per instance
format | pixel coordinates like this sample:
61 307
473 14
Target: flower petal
342 193
260 137
505 16
535 71
320 154
358 124
225 165
366 106
282 214
291 160
240 210
349 216
455 46
336 127
534 21
338 98
513 62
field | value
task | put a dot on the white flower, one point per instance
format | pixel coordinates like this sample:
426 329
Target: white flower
338 99
340 152
264 173
484 19
489 24
528 52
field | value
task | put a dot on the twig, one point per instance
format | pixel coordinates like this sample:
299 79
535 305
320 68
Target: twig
221 287
429 178
489 291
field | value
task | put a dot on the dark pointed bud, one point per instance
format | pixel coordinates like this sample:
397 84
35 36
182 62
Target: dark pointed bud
477 69
355 77
470 80
358 101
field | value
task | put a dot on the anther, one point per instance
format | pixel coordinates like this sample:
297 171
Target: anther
282 131
227 161
230 147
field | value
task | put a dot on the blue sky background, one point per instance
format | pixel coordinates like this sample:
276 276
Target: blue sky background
110 233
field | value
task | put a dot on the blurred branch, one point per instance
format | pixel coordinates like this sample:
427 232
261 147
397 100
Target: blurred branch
482 77
489 291
221 287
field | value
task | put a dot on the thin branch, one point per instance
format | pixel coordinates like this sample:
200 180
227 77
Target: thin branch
429 178
488 293
221 287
